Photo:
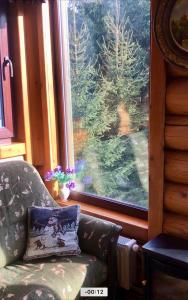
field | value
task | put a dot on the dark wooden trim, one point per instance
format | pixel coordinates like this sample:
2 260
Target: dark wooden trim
62 80
132 227
7 130
111 204
20 99
5 133
156 134
59 78
5 141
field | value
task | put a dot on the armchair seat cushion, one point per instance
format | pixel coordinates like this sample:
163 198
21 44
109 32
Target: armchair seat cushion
54 278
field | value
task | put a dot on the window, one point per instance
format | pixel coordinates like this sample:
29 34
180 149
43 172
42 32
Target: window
6 127
108 42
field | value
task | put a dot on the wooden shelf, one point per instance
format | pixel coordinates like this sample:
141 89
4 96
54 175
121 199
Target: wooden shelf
132 227
12 150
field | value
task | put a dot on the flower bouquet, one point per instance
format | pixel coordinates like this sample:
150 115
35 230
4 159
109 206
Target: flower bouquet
66 180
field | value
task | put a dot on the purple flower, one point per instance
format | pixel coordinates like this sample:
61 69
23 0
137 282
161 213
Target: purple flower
48 176
70 171
70 185
79 165
87 180
58 169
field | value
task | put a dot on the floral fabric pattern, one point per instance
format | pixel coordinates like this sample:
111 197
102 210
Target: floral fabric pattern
20 187
97 237
55 278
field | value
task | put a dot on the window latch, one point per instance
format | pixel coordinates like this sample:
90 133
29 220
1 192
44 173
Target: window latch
7 61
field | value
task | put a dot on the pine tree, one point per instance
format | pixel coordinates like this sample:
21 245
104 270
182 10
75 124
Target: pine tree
82 68
118 73
123 77
126 72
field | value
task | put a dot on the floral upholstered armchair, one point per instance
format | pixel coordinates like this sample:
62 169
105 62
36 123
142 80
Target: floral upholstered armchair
55 277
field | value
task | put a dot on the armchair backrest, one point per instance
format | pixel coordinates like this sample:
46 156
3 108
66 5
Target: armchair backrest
20 187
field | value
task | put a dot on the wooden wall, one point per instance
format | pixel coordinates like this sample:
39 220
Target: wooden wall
168 199
176 154
34 103
156 136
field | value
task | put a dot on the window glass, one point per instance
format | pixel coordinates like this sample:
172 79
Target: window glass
109 69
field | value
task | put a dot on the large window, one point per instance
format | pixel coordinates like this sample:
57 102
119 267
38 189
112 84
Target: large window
109 47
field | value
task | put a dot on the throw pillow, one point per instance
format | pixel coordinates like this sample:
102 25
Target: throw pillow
52 231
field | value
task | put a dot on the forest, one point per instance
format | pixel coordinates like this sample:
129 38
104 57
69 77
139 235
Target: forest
109 45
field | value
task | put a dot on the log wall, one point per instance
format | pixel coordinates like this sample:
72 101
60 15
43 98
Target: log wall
168 146
175 219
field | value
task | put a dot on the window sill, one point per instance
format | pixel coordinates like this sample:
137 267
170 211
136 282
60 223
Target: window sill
132 226
12 150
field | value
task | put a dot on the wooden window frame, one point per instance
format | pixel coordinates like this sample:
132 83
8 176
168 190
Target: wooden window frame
6 132
61 55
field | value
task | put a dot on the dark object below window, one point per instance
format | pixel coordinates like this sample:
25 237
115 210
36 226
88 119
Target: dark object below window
166 263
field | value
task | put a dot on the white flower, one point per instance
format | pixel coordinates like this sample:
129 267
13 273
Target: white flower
11 200
38 292
10 295
7 186
69 289
25 192
1 221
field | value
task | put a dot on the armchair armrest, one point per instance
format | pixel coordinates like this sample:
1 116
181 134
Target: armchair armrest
98 237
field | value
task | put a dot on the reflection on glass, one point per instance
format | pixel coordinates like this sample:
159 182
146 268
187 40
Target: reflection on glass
109 59
179 24
1 105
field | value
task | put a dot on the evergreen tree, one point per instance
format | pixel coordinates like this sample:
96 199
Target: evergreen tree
126 71
117 73
82 68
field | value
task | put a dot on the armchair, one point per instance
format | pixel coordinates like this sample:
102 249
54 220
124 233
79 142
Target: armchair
51 278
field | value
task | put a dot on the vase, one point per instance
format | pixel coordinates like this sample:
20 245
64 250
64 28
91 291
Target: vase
64 192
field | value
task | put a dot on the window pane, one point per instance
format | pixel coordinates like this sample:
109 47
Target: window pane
109 68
